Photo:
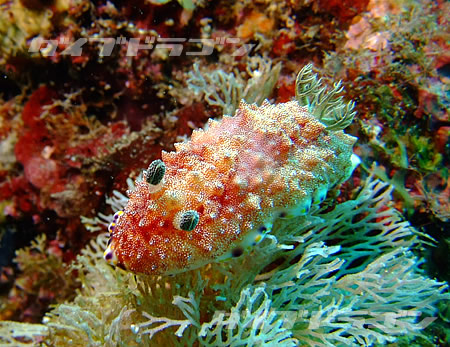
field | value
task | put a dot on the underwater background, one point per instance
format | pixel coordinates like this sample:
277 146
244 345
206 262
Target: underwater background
91 92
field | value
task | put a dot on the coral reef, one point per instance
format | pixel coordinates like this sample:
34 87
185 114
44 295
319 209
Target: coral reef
392 55
343 275
91 92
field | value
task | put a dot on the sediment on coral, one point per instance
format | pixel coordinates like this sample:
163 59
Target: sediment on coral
344 275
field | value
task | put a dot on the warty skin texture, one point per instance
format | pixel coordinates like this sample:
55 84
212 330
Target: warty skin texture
238 175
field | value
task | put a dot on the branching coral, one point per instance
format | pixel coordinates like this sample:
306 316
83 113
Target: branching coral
226 90
15 334
252 321
344 275
220 88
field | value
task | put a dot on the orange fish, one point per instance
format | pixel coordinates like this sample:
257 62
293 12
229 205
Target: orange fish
219 193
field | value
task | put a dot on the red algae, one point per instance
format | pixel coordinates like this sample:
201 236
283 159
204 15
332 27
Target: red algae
41 172
344 10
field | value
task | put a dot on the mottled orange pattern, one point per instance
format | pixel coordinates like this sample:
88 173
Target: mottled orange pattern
239 175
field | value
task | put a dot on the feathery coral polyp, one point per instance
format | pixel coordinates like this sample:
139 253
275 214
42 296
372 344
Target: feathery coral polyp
222 190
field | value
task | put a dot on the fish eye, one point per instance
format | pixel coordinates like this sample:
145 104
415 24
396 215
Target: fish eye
155 172
188 220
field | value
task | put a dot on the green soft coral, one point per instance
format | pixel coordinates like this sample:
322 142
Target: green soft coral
343 275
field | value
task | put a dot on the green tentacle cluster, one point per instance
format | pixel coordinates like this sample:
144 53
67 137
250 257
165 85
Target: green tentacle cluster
327 105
